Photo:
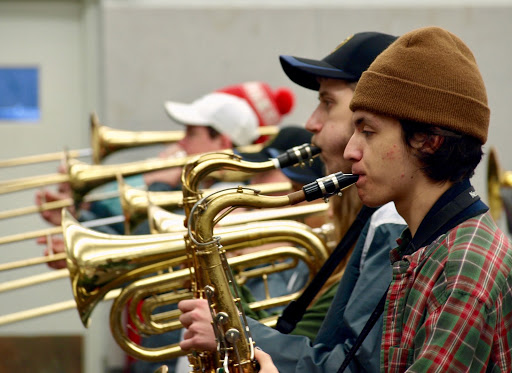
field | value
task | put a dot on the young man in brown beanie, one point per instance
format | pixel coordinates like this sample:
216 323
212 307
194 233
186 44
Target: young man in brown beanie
421 118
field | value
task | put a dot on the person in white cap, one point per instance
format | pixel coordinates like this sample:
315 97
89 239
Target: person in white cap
215 121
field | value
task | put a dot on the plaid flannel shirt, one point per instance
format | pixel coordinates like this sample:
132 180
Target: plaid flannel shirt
449 305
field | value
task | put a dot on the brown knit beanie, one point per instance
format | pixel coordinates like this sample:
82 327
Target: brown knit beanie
428 76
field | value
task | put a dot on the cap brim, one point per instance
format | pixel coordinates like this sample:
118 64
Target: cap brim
184 113
305 72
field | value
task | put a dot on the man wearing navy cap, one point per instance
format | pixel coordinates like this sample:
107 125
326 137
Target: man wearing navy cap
368 271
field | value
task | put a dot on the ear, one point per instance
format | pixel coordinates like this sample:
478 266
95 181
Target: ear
426 143
432 143
225 141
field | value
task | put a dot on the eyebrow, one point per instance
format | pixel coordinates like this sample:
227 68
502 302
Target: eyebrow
322 94
358 121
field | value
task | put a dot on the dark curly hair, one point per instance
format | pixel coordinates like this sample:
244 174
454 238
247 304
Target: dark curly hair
454 160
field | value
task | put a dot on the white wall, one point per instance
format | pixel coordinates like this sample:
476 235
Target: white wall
160 52
61 38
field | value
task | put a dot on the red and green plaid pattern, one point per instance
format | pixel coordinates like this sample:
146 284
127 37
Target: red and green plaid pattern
449 306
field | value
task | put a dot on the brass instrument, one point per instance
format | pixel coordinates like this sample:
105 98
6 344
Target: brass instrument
96 272
213 276
163 221
207 164
106 140
92 266
16 237
101 263
499 188
171 287
84 177
54 205
135 202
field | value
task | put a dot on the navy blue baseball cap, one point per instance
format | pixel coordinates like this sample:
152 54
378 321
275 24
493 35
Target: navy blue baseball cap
347 61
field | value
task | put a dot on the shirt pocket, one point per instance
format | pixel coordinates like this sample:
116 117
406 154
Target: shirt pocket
400 359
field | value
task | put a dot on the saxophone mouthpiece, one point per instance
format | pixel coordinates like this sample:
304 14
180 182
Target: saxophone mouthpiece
328 186
297 155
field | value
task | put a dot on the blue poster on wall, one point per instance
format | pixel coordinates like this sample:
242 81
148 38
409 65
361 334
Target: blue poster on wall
19 94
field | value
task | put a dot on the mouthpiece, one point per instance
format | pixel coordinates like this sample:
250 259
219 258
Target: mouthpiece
328 186
297 155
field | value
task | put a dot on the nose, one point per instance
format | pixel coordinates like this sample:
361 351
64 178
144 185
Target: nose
352 152
182 142
315 123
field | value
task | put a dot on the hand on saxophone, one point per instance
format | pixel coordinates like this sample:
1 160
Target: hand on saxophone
265 362
197 319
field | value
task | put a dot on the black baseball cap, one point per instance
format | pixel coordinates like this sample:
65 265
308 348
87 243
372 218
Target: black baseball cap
348 61
287 138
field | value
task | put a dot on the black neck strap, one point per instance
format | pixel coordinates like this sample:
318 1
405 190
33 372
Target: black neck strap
293 313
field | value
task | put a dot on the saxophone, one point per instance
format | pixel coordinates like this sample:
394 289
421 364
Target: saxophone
216 165
214 279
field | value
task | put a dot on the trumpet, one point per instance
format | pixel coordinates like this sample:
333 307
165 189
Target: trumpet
214 278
